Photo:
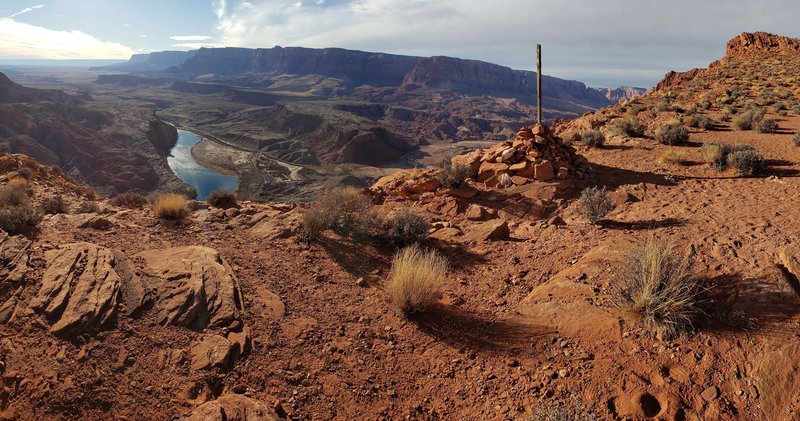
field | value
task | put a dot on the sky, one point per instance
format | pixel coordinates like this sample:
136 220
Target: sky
602 43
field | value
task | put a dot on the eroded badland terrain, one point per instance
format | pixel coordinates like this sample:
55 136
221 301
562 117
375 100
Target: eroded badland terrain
111 310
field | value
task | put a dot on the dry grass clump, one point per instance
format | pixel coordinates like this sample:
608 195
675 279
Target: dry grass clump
54 205
406 227
627 127
345 210
171 206
594 204
16 212
222 199
593 138
129 200
699 121
452 175
26 173
656 285
88 207
416 279
672 134
672 157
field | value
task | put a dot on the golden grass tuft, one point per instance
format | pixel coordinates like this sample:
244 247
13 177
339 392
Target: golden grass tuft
656 284
416 279
171 206
672 157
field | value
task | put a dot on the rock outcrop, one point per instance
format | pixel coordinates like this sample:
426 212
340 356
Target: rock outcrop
232 408
80 288
14 257
194 287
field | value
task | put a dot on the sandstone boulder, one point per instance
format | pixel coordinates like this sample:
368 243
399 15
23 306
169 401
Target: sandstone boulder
489 231
194 287
233 408
209 351
477 213
543 171
14 257
80 288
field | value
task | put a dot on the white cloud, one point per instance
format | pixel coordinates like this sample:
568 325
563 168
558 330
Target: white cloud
21 40
26 10
195 45
609 42
190 38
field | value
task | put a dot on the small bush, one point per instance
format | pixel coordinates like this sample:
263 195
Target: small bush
748 119
672 134
746 162
672 156
171 206
796 139
88 207
222 199
594 204
416 279
54 205
129 200
655 284
699 121
406 227
766 125
342 209
627 127
715 155
16 212
26 173
593 138
573 411
452 175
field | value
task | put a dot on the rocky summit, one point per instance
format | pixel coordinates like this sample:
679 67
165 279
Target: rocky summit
635 261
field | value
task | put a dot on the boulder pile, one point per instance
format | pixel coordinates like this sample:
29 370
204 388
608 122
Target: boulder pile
536 154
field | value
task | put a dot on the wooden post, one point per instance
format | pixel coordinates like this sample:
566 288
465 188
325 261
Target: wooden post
539 83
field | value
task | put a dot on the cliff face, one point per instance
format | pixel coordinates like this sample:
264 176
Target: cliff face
621 93
150 62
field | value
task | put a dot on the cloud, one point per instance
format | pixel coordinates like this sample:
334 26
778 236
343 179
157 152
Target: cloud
196 45
605 43
26 10
21 40
189 38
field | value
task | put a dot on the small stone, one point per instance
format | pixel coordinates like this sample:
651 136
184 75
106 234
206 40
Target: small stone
710 393
362 282
563 373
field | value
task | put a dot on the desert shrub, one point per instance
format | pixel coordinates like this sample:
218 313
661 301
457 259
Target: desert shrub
171 206
129 200
222 199
748 119
635 109
53 205
746 162
594 204
452 175
716 154
766 125
704 105
16 211
672 156
572 411
729 110
779 106
672 134
88 192
26 173
342 209
593 138
661 106
406 227
796 139
656 284
699 121
416 279
627 127
88 207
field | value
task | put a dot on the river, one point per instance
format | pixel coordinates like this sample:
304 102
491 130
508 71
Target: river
204 180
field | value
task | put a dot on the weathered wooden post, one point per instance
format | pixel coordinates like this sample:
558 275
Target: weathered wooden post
539 83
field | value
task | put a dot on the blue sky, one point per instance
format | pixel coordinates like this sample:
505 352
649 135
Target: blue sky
608 43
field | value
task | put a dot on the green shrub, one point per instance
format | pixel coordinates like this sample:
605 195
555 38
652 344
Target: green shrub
655 283
129 200
406 227
452 175
627 127
716 154
593 138
748 119
699 121
746 162
222 199
54 205
672 134
594 204
766 125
